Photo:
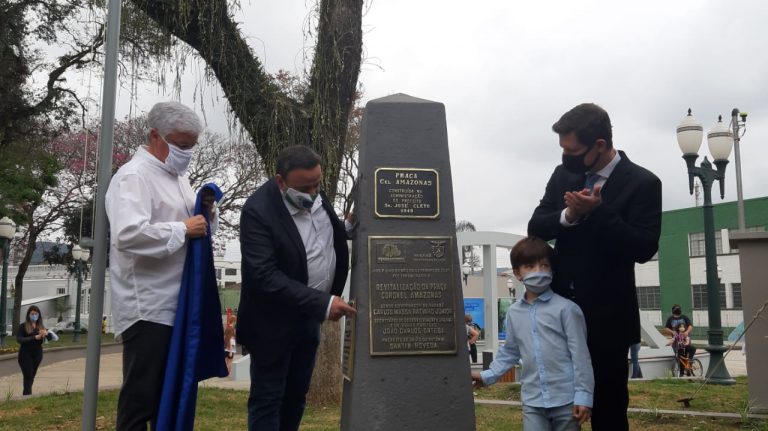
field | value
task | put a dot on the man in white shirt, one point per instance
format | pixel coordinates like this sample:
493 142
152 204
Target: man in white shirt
295 263
150 205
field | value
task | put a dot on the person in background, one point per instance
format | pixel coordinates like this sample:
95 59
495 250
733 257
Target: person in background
472 335
30 336
681 345
104 325
672 328
230 346
675 319
634 354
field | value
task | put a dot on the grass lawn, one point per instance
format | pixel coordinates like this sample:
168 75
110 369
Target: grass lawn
219 409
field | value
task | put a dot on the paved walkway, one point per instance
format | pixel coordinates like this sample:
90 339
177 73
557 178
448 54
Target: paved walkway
9 363
68 376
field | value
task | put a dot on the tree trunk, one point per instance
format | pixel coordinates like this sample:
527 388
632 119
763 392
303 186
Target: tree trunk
326 386
19 282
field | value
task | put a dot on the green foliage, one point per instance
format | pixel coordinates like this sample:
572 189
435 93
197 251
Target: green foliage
24 104
26 172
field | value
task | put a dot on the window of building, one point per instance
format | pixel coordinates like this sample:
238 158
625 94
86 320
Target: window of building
700 296
696 243
59 290
218 273
649 297
229 284
230 271
736 289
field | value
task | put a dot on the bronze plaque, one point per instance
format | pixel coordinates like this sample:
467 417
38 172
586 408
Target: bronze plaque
348 352
411 293
407 193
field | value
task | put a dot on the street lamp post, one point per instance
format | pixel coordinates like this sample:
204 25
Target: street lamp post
7 229
80 256
511 287
736 124
720 141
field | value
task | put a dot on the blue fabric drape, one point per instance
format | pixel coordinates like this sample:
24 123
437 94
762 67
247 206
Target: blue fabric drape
197 346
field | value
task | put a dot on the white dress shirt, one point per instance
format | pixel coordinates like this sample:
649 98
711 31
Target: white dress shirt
146 204
603 174
316 233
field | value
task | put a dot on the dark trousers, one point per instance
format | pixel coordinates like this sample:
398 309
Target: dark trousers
634 354
29 359
279 390
145 351
473 352
611 397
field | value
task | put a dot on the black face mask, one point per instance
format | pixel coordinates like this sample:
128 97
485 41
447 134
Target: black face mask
676 311
575 164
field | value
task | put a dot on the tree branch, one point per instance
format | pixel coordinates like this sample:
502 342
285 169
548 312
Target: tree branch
270 116
333 81
206 26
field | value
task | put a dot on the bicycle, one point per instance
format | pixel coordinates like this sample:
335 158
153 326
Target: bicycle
686 367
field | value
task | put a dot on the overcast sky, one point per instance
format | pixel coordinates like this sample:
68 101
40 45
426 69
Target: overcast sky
507 70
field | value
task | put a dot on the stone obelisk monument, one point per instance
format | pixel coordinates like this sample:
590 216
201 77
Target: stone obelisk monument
405 355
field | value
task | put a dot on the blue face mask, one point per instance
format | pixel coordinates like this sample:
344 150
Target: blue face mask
34 317
537 282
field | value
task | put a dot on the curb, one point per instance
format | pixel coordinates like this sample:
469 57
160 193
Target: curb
14 355
651 411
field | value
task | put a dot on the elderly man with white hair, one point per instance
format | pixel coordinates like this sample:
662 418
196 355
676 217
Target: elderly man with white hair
150 205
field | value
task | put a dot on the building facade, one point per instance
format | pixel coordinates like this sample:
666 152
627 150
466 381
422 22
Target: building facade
677 275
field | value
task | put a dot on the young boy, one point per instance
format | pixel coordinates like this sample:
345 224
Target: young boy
548 333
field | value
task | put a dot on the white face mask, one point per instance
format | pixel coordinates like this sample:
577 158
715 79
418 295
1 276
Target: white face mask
178 159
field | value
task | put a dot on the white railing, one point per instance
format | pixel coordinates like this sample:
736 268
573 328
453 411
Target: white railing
40 272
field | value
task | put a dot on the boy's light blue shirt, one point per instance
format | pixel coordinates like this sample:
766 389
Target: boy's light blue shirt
550 336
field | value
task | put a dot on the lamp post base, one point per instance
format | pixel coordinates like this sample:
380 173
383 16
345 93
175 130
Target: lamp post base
717 372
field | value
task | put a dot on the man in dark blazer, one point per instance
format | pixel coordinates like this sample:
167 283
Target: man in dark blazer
294 266
605 214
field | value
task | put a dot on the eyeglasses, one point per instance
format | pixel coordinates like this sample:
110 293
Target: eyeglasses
184 146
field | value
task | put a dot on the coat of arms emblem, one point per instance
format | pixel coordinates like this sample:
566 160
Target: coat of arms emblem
438 249
391 250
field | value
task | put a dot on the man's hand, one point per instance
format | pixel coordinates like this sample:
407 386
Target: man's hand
581 204
350 217
477 380
582 414
339 309
209 198
195 226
